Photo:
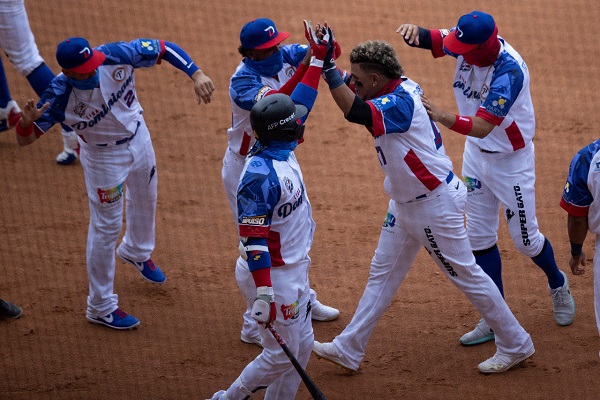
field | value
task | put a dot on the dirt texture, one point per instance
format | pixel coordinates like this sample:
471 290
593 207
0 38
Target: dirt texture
188 344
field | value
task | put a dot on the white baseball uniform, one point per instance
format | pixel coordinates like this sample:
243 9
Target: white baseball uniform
425 210
580 199
248 86
116 153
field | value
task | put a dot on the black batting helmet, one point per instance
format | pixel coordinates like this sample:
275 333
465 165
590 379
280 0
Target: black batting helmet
277 117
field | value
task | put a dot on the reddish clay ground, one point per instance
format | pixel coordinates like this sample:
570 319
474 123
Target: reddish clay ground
188 343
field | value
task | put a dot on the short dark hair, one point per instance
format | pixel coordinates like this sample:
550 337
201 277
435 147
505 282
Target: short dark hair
377 56
243 50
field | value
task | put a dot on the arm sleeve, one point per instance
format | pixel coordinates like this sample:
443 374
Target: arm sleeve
360 113
431 39
177 57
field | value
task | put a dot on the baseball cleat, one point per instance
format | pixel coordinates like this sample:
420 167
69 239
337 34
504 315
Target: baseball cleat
321 312
9 310
500 363
251 340
147 268
563 303
327 351
66 157
9 115
117 319
481 334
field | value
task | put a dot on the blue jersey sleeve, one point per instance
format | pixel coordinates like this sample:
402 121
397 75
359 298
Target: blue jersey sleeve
246 89
293 53
506 85
576 191
137 53
392 113
258 194
57 94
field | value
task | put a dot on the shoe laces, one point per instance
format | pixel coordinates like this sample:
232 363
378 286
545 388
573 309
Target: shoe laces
561 295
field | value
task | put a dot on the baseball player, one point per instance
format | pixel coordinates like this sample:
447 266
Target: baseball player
95 95
277 228
579 200
9 310
267 67
18 43
425 208
491 87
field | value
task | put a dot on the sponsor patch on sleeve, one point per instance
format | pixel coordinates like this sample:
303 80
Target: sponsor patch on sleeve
254 220
262 92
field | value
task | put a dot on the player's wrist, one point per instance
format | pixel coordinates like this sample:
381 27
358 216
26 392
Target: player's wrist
462 124
24 129
576 249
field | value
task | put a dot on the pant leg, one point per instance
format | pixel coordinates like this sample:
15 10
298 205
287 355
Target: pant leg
596 267
442 233
105 171
272 368
141 192
395 253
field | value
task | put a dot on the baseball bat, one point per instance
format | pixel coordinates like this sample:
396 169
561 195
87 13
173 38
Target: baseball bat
312 387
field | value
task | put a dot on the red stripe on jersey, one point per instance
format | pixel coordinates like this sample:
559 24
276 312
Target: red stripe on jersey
254 231
421 171
245 144
378 128
515 136
492 119
572 209
274 244
163 49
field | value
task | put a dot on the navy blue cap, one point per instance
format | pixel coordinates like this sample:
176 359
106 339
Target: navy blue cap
472 30
77 55
260 34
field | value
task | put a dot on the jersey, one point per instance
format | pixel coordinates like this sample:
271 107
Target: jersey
110 112
247 87
583 186
273 203
499 94
408 143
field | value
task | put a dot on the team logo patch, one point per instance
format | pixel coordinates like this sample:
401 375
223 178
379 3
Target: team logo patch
255 220
509 214
111 195
288 184
471 183
147 45
291 311
119 74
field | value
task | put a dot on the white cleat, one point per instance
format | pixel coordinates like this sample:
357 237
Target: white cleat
563 304
321 312
327 351
501 363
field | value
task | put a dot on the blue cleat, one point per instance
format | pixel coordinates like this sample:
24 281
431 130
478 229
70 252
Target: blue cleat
117 319
147 268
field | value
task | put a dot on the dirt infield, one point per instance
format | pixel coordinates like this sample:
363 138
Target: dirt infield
187 345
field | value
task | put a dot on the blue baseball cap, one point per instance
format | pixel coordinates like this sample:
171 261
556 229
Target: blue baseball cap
77 55
261 34
473 29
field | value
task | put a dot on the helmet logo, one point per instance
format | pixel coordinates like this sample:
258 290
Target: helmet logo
281 122
459 33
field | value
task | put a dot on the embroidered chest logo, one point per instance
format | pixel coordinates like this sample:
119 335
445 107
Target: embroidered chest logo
119 74
288 184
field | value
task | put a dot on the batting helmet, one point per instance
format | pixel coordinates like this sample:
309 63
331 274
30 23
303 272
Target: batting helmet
277 117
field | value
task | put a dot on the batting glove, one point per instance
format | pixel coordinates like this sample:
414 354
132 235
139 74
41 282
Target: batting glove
263 308
329 60
317 46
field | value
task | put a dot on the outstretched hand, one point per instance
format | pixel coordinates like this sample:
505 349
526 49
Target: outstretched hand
318 46
410 33
30 112
203 86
